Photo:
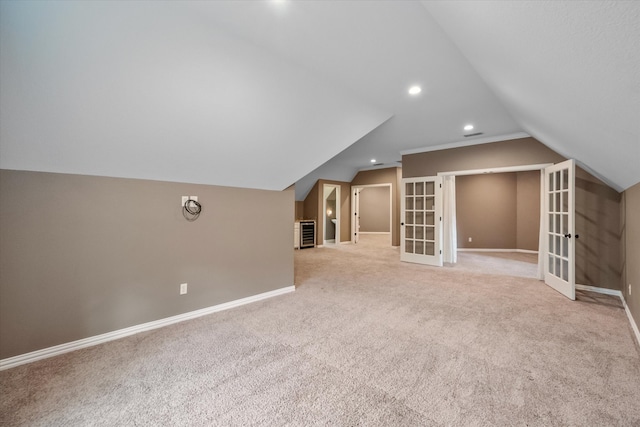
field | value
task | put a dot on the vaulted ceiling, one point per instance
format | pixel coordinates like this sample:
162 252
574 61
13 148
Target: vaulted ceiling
265 94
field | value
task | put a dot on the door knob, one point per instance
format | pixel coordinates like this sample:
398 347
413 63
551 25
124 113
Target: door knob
568 236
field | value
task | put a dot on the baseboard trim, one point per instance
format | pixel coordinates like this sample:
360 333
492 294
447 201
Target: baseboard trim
634 325
57 350
598 290
522 251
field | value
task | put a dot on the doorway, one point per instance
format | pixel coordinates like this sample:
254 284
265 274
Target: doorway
331 214
537 167
372 207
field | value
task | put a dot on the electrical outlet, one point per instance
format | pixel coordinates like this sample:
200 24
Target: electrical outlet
183 288
194 198
470 239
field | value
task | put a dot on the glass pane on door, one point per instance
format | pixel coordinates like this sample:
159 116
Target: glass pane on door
559 207
421 227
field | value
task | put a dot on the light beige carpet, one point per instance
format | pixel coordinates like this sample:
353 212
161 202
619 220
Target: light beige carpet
364 340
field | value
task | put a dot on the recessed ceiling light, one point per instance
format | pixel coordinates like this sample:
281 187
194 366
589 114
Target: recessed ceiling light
468 127
414 90
373 160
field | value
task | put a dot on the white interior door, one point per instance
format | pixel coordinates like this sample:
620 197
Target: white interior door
421 220
559 261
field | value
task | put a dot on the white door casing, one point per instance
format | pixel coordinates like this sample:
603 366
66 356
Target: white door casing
326 190
421 220
355 208
559 223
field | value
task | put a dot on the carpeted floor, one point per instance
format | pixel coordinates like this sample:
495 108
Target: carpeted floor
364 340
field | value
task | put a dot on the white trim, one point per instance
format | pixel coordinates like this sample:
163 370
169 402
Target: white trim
337 188
392 165
505 169
634 325
466 143
598 290
353 209
522 251
374 232
57 350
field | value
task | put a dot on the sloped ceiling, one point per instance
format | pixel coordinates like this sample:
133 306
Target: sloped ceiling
567 71
265 94
155 90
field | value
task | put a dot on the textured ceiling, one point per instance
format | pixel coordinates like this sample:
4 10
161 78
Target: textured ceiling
264 95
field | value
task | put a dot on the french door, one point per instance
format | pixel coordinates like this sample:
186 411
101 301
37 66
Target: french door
559 262
421 220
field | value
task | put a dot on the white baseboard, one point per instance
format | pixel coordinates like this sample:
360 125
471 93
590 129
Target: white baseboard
522 251
57 350
634 325
616 293
599 290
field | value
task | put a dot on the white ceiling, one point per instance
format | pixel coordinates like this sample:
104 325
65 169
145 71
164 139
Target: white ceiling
567 71
264 95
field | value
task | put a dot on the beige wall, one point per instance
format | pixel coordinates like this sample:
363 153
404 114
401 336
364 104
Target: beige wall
375 210
516 152
598 259
310 204
299 210
81 255
486 211
630 225
597 205
528 210
499 211
391 176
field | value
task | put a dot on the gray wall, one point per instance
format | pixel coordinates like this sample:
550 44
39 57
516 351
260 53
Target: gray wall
83 255
375 210
598 256
630 226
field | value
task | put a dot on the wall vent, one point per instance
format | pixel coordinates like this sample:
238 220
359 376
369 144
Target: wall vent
473 134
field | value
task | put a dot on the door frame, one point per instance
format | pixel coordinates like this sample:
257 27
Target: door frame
522 168
324 212
356 201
